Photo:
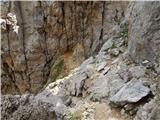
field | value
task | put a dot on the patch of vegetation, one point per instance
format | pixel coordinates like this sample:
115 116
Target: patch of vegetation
124 33
113 45
75 118
57 70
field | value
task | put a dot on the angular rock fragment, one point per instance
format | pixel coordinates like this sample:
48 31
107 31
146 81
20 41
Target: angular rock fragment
101 66
77 83
107 45
114 52
105 86
132 92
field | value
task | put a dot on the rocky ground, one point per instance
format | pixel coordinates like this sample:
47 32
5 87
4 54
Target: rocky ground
119 81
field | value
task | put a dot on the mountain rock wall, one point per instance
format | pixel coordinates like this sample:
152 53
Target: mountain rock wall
85 60
144 43
47 30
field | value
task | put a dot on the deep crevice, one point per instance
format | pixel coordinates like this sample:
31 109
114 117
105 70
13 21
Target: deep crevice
24 44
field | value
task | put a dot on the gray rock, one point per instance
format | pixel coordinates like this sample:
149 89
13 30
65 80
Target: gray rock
124 72
101 57
119 42
149 111
132 92
158 70
76 83
107 45
105 86
137 71
47 97
45 38
115 61
45 106
90 70
88 61
101 66
22 108
114 52
101 60
144 44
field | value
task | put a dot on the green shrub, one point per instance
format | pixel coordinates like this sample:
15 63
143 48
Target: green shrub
113 45
124 33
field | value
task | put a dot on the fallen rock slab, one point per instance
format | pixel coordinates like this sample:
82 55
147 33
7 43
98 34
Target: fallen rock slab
132 92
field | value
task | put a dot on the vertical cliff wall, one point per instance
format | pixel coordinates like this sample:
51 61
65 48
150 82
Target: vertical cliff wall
47 30
113 46
144 43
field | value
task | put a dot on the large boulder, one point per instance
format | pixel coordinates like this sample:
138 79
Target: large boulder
105 86
131 92
150 111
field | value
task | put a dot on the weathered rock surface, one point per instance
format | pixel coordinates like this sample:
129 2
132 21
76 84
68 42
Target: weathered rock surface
149 111
44 105
26 107
47 30
132 92
105 87
55 35
144 31
137 71
77 83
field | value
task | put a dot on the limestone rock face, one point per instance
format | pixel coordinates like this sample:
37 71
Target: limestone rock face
110 54
47 30
144 31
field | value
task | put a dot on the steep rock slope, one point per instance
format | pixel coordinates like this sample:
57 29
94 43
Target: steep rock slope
120 82
46 30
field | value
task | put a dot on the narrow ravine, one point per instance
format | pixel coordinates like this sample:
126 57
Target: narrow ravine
80 60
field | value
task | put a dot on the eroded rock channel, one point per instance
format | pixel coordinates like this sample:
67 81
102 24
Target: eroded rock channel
95 60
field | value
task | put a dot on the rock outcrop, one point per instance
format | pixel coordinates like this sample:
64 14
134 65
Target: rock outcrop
48 30
118 78
132 92
31 107
144 31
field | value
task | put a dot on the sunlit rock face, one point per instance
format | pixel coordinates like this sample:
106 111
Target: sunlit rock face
47 30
